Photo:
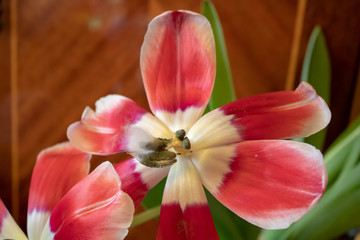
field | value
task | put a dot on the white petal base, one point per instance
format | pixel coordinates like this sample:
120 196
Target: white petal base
213 129
47 234
180 119
184 185
35 223
213 164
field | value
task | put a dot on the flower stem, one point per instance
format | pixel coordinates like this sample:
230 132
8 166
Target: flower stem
146 216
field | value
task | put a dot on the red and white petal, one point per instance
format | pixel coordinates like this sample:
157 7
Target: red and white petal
270 183
105 131
185 213
277 115
137 179
95 208
8 227
178 63
57 170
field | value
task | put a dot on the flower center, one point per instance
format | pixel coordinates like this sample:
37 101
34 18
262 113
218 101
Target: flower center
163 151
179 142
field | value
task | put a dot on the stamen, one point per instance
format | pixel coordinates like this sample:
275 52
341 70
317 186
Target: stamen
186 144
159 144
158 159
162 152
180 134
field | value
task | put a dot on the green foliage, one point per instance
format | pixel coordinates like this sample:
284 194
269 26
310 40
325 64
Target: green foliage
316 71
223 92
339 151
154 197
146 216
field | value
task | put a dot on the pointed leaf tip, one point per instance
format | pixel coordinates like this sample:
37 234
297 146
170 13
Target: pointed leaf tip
223 91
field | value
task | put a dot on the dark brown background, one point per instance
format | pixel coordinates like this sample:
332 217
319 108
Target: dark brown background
56 57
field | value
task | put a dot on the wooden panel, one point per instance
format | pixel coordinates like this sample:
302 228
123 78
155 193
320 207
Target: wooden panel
355 108
5 113
71 54
341 24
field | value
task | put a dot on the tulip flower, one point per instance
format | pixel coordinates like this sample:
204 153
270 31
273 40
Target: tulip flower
240 152
66 202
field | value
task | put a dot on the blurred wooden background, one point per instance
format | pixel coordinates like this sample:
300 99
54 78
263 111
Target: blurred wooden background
56 57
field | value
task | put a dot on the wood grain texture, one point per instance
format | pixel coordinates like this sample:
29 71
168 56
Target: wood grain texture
355 107
70 55
295 46
14 109
259 36
5 103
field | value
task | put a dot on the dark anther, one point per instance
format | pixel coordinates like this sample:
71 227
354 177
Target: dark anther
186 144
158 159
158 145
180 134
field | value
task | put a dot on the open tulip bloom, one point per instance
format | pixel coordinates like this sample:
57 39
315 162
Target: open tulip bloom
232 150
67 203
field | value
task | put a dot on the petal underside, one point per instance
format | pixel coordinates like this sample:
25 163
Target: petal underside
269 183
57 170
95 208
137 179
178 63
106 130
185 214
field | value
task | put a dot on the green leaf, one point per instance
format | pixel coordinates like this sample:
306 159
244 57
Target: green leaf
225 226
223 92
146 216
154 197
316 66
351 161
228 224
339 150
274 234
316 71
